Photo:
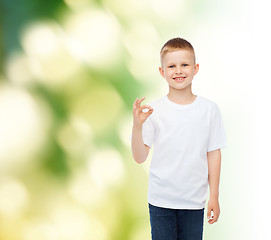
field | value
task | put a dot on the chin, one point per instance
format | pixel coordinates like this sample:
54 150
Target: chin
183 86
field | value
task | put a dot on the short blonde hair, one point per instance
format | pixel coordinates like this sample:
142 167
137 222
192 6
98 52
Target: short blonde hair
175 44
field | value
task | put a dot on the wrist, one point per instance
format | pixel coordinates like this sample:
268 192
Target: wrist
214 196
137 126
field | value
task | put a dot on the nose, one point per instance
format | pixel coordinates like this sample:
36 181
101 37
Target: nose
178 70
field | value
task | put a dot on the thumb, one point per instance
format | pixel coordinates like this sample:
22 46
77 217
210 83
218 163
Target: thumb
147 109
209 213
150 110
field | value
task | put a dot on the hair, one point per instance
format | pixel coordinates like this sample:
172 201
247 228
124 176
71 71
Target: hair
175 44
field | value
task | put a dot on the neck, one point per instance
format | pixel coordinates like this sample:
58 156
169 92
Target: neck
181 96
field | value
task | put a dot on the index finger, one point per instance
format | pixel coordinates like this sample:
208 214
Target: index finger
135 103
139 101
214 218
146 106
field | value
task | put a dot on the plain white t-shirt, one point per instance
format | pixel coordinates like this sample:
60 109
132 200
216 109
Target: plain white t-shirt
181 136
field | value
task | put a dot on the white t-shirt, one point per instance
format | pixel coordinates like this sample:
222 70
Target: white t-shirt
182 135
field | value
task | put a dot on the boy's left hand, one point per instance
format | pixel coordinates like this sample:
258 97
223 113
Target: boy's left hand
213 205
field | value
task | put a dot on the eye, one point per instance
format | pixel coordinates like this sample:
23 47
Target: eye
185 65
171 66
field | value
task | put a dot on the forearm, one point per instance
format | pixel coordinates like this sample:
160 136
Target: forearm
138 148
214 166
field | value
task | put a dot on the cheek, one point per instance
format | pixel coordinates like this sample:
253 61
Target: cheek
167 73
192 71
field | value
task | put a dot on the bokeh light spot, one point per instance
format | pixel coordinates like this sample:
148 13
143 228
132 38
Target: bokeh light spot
23 126
96 36
50 58
106 168
74 136
100 107
14 197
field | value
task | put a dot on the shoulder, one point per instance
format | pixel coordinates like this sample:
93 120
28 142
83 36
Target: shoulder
208 103
210 107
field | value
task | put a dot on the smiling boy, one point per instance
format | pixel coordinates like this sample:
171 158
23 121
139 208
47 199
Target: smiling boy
187 133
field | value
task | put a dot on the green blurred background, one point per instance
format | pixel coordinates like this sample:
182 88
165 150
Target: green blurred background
70 71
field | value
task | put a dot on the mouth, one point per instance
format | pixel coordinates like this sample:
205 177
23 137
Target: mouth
179 79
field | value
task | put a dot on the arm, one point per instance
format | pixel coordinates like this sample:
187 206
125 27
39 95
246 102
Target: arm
214 165
139 149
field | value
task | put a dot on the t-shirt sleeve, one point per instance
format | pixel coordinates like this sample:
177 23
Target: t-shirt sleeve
148 132
217 135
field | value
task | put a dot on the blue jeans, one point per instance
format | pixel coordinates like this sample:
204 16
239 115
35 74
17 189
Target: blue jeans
176 224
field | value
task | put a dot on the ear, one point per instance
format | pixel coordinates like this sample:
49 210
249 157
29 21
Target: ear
162 72
196 69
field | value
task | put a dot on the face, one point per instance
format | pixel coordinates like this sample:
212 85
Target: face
179 68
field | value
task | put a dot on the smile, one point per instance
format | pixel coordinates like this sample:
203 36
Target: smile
179 79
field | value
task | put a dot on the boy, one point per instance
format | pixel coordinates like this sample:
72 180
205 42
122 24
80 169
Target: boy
187 132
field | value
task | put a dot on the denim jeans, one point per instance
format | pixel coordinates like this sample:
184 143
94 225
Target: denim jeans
176 224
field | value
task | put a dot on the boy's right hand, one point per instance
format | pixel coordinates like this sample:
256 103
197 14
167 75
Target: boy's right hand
139 116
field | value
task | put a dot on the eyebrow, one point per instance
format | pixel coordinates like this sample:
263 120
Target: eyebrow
184 62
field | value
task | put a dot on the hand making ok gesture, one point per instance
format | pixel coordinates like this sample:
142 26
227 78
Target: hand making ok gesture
139 116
